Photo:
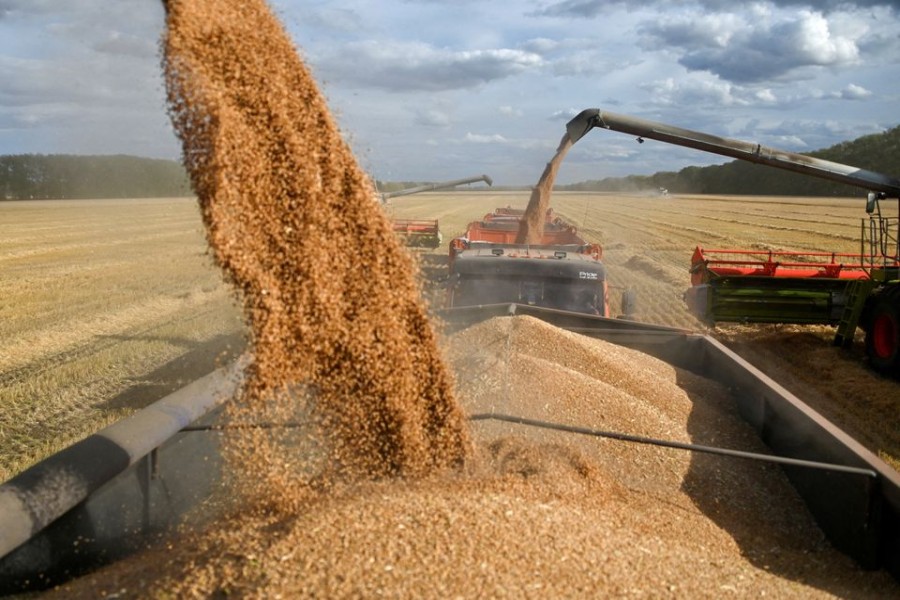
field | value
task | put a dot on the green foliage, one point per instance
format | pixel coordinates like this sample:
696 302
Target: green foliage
38 176
878 152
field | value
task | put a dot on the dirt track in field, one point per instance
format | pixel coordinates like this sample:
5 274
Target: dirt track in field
647 244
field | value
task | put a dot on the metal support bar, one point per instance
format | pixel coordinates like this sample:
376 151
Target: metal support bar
625 437
670 444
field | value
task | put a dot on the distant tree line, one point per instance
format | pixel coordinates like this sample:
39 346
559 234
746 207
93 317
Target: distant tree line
39 176
877 152
49 176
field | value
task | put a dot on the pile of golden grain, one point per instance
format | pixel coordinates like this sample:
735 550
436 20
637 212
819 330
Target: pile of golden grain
536 513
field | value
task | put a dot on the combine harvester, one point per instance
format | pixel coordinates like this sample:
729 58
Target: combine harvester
425 233
563 272
101 498
827 288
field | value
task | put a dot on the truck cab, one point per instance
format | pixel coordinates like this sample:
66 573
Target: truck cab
557 277
563 272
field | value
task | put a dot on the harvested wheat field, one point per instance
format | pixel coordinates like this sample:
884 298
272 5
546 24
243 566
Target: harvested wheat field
108 305
543 514
105 307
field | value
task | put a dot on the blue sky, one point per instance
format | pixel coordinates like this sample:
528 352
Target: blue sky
434 90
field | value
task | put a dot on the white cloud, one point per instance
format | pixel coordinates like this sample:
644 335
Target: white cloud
417 66
564 115
854 92
744 48
791 141
578 9
477 138
692 32
702 91
802 135
765 96
432 117
698 91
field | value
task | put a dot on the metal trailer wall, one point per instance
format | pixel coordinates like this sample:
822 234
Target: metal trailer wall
101 498
858 513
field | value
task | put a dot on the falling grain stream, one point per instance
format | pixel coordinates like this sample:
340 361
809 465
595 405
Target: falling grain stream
532 227
389 492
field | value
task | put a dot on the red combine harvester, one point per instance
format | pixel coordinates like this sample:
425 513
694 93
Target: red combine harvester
749 286
563 272
425 233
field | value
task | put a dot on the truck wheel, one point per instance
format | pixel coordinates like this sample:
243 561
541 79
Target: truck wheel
883 335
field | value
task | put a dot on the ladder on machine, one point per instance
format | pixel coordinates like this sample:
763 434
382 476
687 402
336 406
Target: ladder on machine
857 292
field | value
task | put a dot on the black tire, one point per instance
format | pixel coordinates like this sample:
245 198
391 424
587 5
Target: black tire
883 333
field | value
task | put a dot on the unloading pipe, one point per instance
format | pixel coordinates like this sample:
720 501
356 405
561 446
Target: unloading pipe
437 186
748 151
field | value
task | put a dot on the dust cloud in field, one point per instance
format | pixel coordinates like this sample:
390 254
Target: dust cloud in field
531 229
339 335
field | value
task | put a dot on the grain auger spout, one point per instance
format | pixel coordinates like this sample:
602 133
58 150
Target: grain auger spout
749 151
748 286
437 186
